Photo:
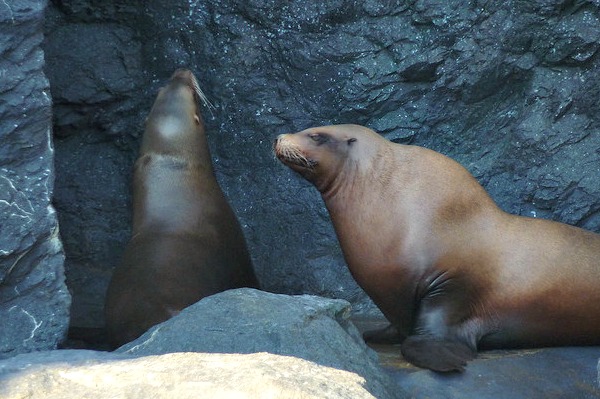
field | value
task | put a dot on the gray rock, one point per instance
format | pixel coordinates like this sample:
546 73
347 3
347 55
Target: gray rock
247 321
85 374
93 100
535 373
34 301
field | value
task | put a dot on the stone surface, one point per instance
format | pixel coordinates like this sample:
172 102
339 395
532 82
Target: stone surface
247 321
94 108
510 89
34 301
512 374
552 373
86 374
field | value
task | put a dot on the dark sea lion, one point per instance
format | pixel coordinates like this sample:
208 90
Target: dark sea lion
449 269
186 241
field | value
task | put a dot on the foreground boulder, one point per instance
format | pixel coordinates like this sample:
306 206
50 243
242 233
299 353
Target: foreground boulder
87 374
326 356
34 301
248 321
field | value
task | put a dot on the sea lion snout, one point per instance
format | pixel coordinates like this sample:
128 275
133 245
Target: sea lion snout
279 138
276 141
184 74
187 77
278 145
291 153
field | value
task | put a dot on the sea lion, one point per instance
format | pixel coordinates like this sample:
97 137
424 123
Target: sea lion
449 269
186 242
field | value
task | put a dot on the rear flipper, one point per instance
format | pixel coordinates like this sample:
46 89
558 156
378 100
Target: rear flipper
437 354
388 336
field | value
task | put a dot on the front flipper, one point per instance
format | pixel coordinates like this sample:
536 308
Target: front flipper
436 354
388 336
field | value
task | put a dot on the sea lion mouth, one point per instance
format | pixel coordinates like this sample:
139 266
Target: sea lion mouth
292 155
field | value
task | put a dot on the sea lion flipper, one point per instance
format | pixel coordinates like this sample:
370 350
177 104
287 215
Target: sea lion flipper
436 354
388 335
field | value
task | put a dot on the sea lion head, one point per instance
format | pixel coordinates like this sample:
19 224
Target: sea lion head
320 154
177 103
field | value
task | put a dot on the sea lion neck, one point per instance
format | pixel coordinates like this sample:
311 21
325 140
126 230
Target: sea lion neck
360 168
331 185
167 135
175 126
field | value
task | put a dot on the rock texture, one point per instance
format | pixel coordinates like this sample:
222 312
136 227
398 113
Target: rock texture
34 301
248 321
84 374
510 89
313 351
550 373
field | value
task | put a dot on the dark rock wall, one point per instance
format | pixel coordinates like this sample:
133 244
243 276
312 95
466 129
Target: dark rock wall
96 78
508 88
34 301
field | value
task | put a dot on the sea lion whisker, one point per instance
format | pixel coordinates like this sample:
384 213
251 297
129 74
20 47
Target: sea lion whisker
294 155
200 94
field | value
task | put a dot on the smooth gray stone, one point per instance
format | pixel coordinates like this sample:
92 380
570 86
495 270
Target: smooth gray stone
247 320
87 374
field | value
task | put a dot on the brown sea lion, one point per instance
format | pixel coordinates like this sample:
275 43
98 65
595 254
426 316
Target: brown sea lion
449 269
186 241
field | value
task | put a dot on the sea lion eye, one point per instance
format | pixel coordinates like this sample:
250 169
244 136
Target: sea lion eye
351 140
319 138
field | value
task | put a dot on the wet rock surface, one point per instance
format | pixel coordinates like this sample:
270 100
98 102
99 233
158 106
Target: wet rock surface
538 373
34 301
568 372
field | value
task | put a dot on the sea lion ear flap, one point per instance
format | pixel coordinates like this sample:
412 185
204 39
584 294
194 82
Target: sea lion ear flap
351 140
196 119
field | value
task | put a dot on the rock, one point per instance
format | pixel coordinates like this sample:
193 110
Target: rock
34 301
86 374
247 321
96 86
532 373
564 372
509 89
216 348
